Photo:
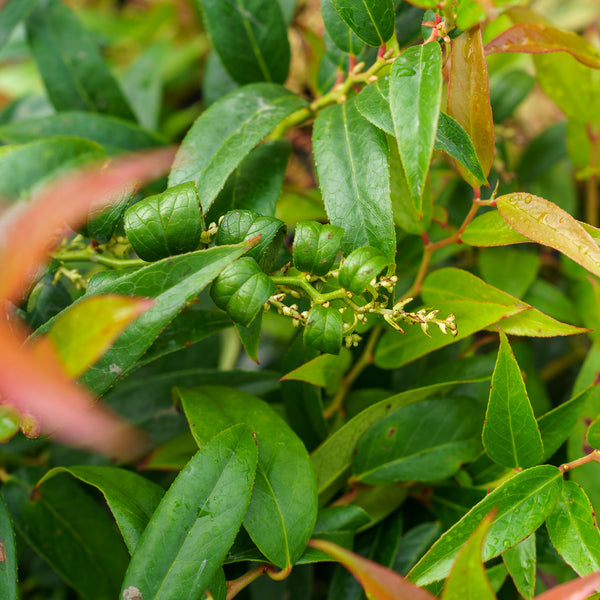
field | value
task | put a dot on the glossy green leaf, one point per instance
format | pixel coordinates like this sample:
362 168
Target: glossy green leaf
468 579
283 507
592 435
323 330
239 225
316 246
469 100
360 268
131 498
165 224
371 20
24 166
573 530
510 436
379 582
70 63
352 164
450 502
520 560
12 13
556 425
510 269
339 32
324 371
250 37
218 141
539 38
523 503
8 555
424 441
172 283
241 290
85 331
52 521
373 103
113 134
195 523
256 183
545 223
415 100
490 229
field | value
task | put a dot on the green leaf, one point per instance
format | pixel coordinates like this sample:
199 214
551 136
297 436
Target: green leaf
84 331
573 530
373 103
490 229
523 503
74 72
250 37
352 163
592 435
424 441
538 38
196 521
165 224
172 283
283 507
324 371
250 336
10 421
509 269
415 100
101 221
131 498
511 436
113 134
544 222
360 268
323 329
316 246
468 579
12 13
371 20
70 531
339 32
8 555
218 141
24 166
469 99
520 560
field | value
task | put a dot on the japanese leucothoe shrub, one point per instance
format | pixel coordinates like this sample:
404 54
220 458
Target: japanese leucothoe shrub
355 321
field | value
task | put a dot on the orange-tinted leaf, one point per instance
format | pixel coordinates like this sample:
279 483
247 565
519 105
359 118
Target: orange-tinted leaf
577 589
379 583
469 98
84 332
542 221
538 38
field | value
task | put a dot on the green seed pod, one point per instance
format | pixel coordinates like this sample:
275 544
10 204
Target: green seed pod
165 224
323 329
239 225
241 290
316 246
360 267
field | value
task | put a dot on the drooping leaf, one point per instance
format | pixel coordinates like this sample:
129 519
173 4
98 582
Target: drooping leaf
379 582
69 61
510 435
544 222
12 13
469 99
195 523
339 32
415 100
468 579
8 555
250 37
520 560
523 503
52 520
539 38
131 498
225 133
371 20
351 157
573 530
283 507
424 441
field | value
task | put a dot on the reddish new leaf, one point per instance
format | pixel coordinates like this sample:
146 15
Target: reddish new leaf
469 98
577 589
378 581
538 38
